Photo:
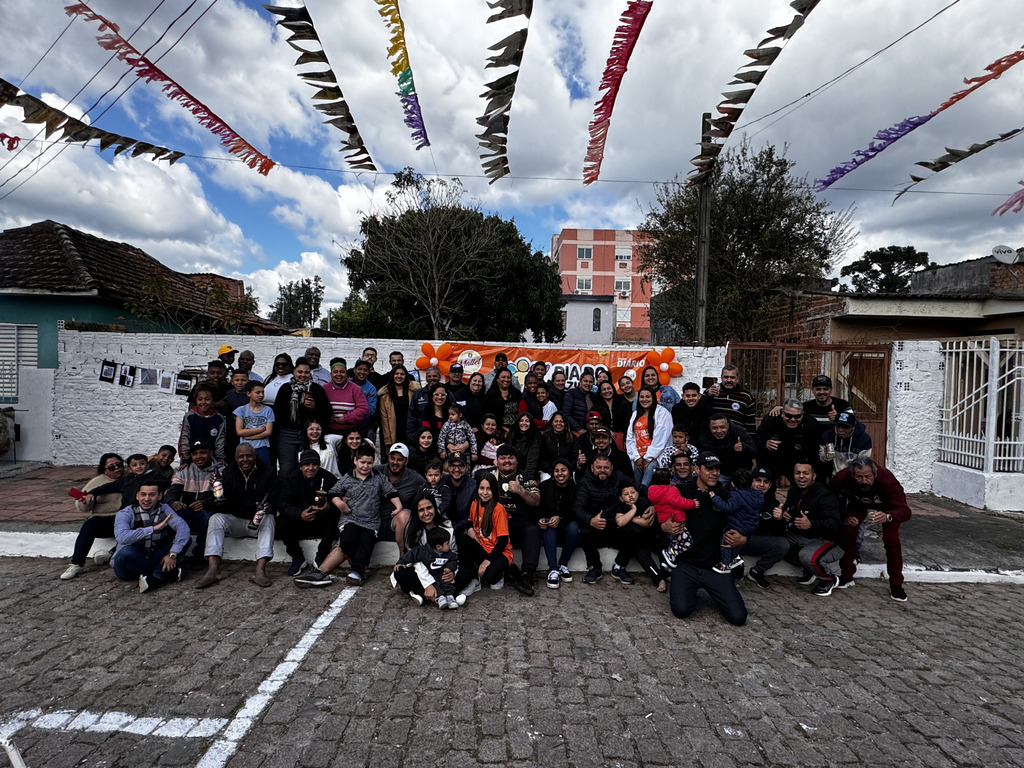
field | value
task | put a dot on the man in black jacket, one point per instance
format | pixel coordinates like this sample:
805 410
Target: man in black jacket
596 493
731 443
811 516
246 511
305 513
707 526
784 439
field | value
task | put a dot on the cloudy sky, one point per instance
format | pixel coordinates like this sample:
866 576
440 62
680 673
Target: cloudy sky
211 213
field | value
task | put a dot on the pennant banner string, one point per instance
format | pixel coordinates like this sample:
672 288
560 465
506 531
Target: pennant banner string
734 102
630 24
889 136
1014 203
148 71
499 93
300 24
401 69
11 142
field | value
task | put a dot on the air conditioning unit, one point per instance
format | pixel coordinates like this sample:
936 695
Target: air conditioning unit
576 292
623 295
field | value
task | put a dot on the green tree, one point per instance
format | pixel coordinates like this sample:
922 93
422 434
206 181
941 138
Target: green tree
885 270
192 306
432 266
768 231
298 303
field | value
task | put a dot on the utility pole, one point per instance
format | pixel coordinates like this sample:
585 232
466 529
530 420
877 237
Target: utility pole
700 283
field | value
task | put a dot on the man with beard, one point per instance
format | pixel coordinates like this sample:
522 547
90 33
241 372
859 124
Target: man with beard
596 494
305 513
408 483
518 496
811 515
729 398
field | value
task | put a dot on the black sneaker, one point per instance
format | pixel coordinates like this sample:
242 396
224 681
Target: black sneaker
513 573
622 575
315 578
898 593
845 582
593 575
758 578
807 579
524 584
298 565
825 587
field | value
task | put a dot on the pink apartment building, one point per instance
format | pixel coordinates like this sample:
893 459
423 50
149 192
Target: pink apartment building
603 262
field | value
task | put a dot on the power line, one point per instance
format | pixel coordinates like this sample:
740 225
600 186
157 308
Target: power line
47 51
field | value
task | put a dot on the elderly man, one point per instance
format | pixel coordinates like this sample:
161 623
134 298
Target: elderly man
519 497
246 512
305 513
733 400
320 374
150 538
811 517
784 439
868 491
408 483
349 407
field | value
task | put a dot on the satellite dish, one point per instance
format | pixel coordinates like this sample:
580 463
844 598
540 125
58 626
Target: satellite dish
1005 254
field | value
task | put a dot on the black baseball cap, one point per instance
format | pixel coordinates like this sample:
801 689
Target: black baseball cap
846 418
761 472
821 380
707 459
457 457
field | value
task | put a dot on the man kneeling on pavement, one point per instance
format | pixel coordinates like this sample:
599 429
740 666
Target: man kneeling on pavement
150 537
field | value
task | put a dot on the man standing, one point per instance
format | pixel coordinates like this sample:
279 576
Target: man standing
377 379
519 497
407 483
693 410
500 364
361 377
247 512
736 402
694 567
305 513
320 374
596 494
868 491
824 408
811 515
787 438
216 377
457 388
419 402
150 538
246 360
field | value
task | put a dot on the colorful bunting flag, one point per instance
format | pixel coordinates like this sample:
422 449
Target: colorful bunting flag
628 32
75 131
734 102
401 69
1014 202
889 136
499 93
148 71
300 24
11 142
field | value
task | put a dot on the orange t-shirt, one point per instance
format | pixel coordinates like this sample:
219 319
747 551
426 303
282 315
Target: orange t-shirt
498 529
642 435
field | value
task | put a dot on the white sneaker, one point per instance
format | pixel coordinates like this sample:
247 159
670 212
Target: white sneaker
418 599
499 584
553 579
472 588
442 602
72 571
459 599
143 584
565 574
394 581
453 602
102 558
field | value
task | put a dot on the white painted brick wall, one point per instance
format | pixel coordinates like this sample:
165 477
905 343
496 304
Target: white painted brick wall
92 417
915 396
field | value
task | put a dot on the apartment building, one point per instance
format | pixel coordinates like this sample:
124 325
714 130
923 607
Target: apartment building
603 262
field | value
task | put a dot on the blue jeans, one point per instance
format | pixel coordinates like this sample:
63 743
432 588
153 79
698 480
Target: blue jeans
687 579
131 562
569 532
644 478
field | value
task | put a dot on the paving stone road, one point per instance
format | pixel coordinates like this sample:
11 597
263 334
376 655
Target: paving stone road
584 676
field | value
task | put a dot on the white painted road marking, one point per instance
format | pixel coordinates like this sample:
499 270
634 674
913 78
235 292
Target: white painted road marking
234 729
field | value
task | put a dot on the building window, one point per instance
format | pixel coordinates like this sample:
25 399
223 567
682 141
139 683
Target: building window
623 285
18 349
622 316
584 253
584 283
565 321
597 320
623 254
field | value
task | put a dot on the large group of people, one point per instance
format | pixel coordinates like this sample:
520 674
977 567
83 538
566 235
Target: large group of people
460 473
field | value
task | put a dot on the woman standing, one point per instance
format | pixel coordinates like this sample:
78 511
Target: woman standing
474 410
393 406
299 401
503 401
277 378
579 401
525 439
649 435
558 443
667 396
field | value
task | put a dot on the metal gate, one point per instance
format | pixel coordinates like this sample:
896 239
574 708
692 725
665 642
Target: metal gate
859 373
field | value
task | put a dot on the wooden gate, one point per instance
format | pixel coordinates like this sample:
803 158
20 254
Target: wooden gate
859 373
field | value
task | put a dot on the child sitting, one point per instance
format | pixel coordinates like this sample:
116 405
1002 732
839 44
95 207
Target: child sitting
670 505
744 509
441 494
456 434
433 561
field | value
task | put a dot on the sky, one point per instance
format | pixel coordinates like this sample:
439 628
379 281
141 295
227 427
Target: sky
209 212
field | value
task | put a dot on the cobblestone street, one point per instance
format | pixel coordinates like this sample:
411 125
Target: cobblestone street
583 676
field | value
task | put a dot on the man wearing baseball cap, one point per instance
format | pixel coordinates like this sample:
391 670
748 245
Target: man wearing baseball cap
824 408
707 526
457 388
845 441
463 489
600 443
408 483
768 542
305 513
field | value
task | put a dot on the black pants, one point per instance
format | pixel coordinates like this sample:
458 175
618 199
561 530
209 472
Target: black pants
472 554
648 540
623 540
688 579
357 543
769 550
96 527
525 534
410 583
292 530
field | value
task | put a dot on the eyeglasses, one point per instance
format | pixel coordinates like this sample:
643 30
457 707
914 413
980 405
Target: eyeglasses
112 467
281 364
792 416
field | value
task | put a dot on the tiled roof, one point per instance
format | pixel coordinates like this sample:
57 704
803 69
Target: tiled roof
54 258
